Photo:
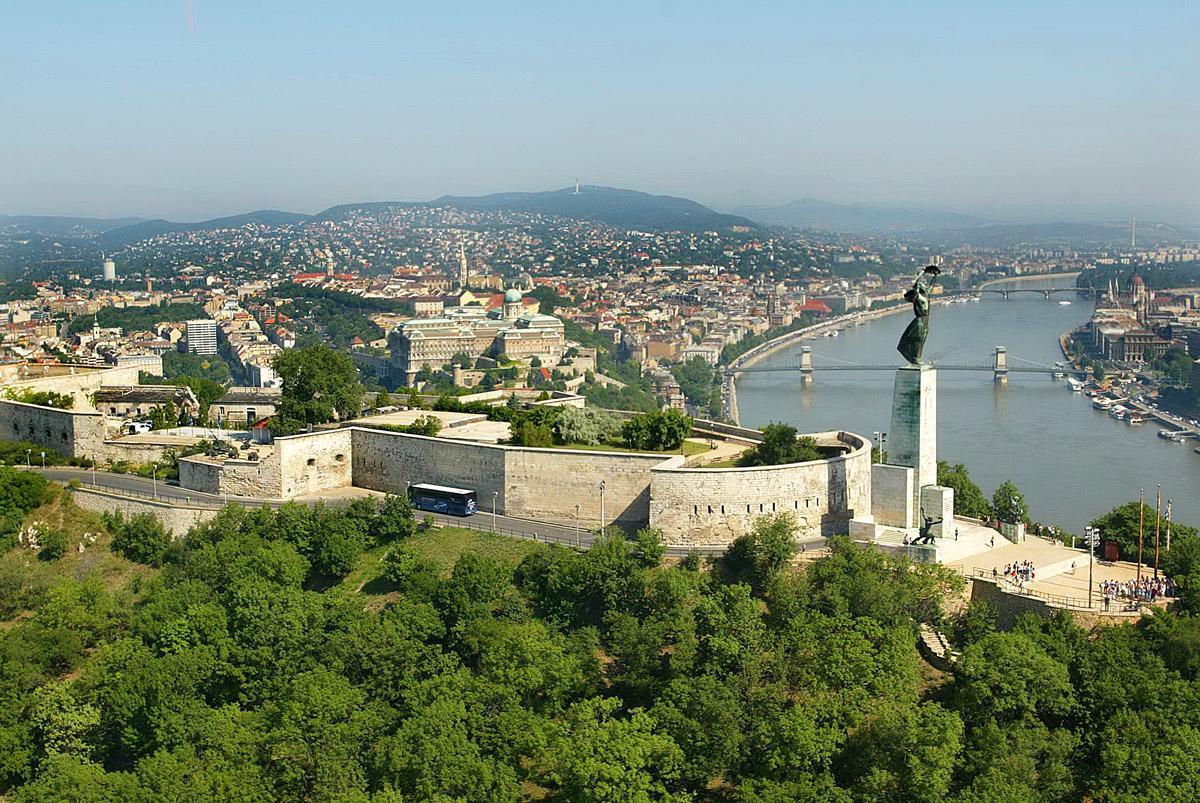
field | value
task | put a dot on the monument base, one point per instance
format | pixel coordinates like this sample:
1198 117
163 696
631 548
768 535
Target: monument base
912 440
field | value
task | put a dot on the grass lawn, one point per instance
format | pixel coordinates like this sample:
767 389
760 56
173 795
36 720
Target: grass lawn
690 447
730 463
443 545
26 578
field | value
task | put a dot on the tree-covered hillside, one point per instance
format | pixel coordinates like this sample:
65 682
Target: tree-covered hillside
349 654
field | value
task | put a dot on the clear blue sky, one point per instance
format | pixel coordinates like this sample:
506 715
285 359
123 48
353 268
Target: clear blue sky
121 107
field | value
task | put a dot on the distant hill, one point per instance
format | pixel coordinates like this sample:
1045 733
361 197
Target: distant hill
627 209
73 226
810 213
150 228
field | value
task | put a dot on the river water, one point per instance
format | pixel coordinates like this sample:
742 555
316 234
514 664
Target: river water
1072 463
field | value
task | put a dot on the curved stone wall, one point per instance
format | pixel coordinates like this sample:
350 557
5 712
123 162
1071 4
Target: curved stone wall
700 506
706 506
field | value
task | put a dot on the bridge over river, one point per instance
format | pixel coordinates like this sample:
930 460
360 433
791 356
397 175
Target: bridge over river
807 364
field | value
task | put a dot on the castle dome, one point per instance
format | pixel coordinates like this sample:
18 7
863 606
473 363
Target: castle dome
512 296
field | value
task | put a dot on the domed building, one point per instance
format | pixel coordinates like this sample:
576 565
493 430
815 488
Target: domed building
506 330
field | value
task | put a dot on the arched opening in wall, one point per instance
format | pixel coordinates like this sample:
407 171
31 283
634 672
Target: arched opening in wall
340 458
64 437
312 461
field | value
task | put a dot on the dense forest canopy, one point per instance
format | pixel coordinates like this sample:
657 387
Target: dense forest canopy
351 654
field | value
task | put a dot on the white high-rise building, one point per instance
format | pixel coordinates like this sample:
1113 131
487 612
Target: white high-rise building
110 270
202 336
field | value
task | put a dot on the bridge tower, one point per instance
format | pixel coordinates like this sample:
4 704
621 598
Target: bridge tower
1005 294
1046 293
806 366
1000 366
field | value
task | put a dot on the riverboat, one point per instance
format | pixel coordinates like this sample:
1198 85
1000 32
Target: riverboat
1076 385
1136 418
1168 435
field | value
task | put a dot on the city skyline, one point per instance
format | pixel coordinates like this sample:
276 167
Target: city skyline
1075 112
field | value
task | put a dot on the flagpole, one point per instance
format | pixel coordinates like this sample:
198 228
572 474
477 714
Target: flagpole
1141 529
1157 525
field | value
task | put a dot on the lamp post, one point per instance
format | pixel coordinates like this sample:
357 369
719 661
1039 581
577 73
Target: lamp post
28 458
43 461
1090 535
602 507
154 480
577 540
494 495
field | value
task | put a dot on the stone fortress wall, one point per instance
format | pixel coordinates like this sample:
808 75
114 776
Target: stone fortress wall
702 506
560 485
296 465
70 432
79 431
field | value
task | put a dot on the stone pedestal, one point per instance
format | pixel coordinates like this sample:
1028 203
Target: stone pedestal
912 441
892 489
938 503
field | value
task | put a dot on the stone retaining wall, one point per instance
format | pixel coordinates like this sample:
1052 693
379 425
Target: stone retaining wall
703 506
176 518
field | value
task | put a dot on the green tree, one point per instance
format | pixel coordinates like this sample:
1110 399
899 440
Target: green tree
696 378
318 385
1007 676
780 445
598 756
393 521
140 537
586 425
968 497
1176 365
759 555
1009 505
411 572
662 430
1122 524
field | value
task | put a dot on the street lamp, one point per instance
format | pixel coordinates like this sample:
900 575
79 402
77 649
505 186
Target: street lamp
577 541
43 461
1092 536
494 495
602 507
154 480
880 440
28 456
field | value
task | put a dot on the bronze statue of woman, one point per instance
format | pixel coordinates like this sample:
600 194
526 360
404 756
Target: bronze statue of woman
912 342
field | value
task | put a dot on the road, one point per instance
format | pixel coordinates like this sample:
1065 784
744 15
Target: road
142 488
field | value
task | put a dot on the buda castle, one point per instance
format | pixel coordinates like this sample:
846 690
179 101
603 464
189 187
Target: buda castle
476 332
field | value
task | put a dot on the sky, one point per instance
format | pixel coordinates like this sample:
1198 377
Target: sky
188 109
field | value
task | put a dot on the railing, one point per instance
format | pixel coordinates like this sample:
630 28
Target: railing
1057 600
152 496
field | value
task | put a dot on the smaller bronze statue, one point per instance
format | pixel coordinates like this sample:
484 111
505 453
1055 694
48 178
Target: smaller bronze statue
925 535
912 342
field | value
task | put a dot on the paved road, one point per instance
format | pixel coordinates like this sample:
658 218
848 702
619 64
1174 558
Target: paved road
143 488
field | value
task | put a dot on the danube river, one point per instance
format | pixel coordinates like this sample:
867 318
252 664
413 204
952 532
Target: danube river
1072 463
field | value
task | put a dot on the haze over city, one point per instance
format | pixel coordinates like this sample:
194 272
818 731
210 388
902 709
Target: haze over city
1014 111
